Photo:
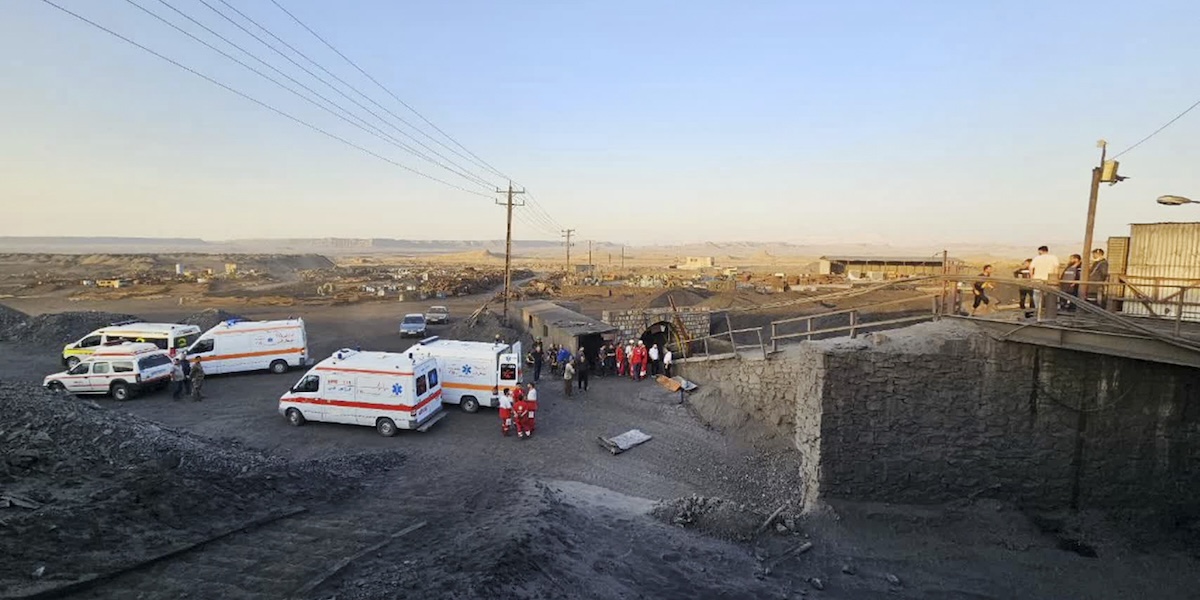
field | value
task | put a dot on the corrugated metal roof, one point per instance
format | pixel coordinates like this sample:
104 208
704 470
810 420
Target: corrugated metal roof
568 321
1166 250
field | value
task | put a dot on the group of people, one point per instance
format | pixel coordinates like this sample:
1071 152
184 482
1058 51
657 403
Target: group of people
518 410
637 361
632 359
1046 268
187 377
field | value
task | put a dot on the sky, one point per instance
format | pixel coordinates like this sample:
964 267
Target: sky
641 122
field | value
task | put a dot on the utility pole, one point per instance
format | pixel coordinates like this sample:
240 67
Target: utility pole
508 204
567 233
1105 172
589 253
622 257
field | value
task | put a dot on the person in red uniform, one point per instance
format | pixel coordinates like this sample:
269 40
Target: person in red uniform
506 412
521 416
531 416
620 359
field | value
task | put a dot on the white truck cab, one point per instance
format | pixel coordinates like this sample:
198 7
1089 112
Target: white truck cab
121 371
385 390
473 373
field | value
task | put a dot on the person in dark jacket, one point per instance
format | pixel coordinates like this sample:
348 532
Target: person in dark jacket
1098 274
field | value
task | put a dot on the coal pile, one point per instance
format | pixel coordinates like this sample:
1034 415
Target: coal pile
209 318
11 320
717 517
484 329
84 489
61 328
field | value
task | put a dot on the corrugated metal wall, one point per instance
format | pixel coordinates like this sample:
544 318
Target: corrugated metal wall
1118 254
1162 258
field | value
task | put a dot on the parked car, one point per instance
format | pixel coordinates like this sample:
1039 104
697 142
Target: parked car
120 370
437 314
413 324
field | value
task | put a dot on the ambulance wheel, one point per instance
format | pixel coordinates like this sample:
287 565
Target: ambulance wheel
386 427
72 361
469 404
120 391
279 367
295 417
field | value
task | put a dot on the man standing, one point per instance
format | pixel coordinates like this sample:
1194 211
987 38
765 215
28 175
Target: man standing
631 357
520 412
1042 268
531 403
667 359
177 379
610 358
539 357
1098 275
581 373
564 356
980 288
1026 293
506 408
1069 281
197 377
620 359
654 358
568 375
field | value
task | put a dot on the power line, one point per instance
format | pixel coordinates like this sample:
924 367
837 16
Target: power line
481 162
465 172
257 101
1159 130
361 124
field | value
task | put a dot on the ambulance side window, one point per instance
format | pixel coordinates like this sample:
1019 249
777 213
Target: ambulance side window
202 346
100 368
310 383
160 342
422 387
90 341
508 371
433 378
122 367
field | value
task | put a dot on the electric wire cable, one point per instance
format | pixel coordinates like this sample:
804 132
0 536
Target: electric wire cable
1157 131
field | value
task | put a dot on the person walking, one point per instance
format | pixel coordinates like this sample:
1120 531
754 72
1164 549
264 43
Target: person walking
581 374
197 379
1026 294
539 357
667 360
177 379
506 411
520 413
1098 275
979 290
654 358
568 376
1042 268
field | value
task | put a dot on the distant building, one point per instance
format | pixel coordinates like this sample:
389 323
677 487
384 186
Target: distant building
231 268
883 267
698 262
554 324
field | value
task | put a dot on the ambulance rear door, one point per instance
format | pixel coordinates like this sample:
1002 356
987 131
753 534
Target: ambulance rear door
509 370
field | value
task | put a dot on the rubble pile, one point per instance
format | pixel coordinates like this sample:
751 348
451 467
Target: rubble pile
209 318
717 517
83 489
61 328
484 329
11 320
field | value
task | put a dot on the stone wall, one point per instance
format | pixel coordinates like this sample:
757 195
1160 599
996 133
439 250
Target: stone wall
633 323
941 411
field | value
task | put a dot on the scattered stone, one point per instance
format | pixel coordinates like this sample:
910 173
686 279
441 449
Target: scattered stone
816 583
781 528
892 579
38 572
849 569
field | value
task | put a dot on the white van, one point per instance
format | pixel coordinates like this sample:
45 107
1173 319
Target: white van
473 373
386 390
167 336
237 345
121 371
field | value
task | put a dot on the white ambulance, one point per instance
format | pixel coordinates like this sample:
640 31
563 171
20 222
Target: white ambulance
385 390
473 373
167 336
121 371
238 345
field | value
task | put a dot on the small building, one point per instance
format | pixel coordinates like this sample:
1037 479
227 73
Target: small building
885 267
557 325
1160 265
231 269
698 262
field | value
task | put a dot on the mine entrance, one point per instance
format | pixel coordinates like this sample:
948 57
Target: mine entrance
658 333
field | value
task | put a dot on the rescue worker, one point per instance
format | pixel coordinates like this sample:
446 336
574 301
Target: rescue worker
532 403
521 414
568 375
197 377
620 360
640 358
630 356
506 409
177 380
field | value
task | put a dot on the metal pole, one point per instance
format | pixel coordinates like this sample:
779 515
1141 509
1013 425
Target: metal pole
1179 311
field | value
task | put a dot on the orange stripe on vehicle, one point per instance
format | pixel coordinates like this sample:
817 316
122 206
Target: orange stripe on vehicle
252 354
230 331
368 371
468 386
368 405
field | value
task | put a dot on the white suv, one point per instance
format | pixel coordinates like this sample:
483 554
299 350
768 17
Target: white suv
122 371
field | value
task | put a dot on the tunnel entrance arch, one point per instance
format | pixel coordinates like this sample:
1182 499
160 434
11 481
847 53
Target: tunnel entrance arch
658 333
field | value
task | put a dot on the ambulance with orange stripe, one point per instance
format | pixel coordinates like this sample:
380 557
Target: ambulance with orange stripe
386 390
473 373
238 345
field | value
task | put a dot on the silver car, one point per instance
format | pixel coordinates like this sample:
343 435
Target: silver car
413 325
437 314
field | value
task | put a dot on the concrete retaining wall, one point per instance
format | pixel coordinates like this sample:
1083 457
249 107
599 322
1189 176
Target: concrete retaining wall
941 411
